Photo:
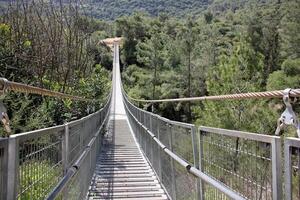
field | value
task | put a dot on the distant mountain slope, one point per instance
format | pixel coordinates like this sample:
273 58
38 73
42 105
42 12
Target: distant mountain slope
111 9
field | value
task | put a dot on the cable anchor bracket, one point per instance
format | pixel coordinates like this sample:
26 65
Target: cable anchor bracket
288 117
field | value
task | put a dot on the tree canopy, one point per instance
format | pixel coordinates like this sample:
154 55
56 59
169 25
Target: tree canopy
245 49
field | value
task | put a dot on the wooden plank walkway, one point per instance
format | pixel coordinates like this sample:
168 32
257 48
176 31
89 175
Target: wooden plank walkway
122 172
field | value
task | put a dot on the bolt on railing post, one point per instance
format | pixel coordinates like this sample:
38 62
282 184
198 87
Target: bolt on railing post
276 169
196 159
173 178
12 169
202 189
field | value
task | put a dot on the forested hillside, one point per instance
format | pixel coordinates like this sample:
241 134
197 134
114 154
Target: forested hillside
110 10
107 9
230 47
251 49
169 49
56 49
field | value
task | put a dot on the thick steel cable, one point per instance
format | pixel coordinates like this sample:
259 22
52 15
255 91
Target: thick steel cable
6 85
250 95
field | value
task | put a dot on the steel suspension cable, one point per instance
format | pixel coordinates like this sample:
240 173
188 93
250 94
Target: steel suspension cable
249 95
6 85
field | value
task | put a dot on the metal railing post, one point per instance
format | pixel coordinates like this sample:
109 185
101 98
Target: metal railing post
151 141
201 185
140 130
287 170
276 169
173 178
65 155
65 148
101 118
3 168
12 168
144 133
196 159
159 150
81 138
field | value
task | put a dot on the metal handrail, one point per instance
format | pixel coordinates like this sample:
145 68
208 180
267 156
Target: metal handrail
192 170
166 120
74 169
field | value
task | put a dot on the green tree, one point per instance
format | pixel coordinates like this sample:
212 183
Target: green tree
263 34
49 47
134 29
187 37
290 29
152 54
236 73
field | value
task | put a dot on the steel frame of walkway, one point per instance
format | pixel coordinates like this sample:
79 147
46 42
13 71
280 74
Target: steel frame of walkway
142 156
122 171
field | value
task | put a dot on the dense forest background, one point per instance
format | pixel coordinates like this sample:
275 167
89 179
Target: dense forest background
111 10
54 47
171 49
254 47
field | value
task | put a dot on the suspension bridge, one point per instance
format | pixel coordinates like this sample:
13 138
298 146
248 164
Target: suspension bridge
124 152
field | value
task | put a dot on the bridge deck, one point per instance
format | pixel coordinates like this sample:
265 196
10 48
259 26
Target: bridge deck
122 172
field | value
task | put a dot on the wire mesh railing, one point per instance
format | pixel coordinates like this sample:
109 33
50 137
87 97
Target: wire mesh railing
191 163
38 162
173 152
3 167
248 163
33 164
245 164
292 168
76 181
